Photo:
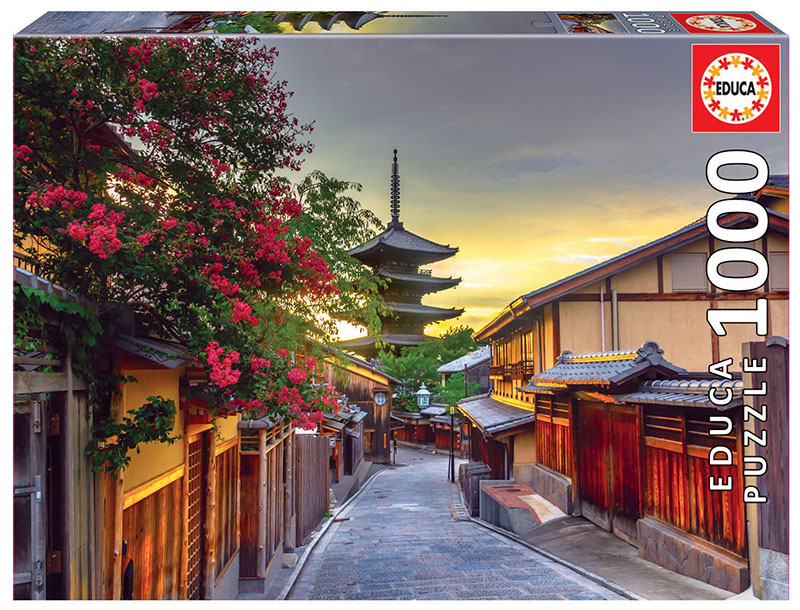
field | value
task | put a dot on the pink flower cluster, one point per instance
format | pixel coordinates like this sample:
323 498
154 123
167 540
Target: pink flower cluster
101 230
57 196
242 312
214 274
22 152
258 363
222 372
297 376
132 176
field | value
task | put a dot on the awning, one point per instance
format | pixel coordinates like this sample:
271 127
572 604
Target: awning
433 410
493 416
168 354
685 392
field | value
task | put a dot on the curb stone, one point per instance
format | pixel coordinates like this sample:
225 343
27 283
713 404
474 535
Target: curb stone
287 588
611 586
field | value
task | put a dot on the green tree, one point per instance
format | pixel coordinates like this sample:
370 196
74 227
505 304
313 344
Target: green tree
454 389
418 364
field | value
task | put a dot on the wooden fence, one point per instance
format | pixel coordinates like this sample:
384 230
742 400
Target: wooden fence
768 527
266 494
311 495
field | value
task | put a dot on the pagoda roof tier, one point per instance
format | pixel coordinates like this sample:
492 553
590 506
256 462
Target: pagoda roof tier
398 245
366 345
427 313
419 282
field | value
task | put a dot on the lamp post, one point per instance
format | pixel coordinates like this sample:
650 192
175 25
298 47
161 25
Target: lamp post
423 397
452 462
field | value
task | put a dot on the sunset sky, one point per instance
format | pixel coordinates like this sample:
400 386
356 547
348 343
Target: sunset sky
536 157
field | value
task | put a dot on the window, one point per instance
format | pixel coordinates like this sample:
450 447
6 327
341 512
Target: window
689 272
737 268
779 271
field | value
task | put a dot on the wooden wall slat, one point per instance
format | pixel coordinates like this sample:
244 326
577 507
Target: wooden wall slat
149 527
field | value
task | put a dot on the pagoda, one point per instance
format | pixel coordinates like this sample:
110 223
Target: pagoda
396 255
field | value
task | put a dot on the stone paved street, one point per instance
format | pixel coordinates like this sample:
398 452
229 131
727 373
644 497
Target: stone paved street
400 540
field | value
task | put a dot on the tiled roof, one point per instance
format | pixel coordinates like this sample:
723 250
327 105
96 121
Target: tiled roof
685 392
390 338
445 419
420 278
166 353
535 388
776 182
479 356
399 238
418 309
432 410
606 368
492 415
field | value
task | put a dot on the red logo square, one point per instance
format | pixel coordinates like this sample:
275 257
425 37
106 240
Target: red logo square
736 88
719 23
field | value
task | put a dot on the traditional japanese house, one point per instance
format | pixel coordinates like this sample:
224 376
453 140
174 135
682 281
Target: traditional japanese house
624 439
655 293
441 431
475 367
369 390
397 255
495 430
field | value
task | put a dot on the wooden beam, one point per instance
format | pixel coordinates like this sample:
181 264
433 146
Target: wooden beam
714 338
32 382
679 296
223 447
556 333
116 580
140 492
261 554
288 513
183 582
209 572
660 271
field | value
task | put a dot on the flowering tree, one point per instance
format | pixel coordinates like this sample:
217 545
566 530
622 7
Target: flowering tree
151 173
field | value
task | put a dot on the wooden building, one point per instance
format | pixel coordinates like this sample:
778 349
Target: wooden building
656 292
621 436
396 255
176 523
368 389
441 431
475 367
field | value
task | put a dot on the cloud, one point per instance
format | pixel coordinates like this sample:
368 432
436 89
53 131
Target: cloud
589 259
518 168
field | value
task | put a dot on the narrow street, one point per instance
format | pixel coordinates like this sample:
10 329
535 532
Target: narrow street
400 539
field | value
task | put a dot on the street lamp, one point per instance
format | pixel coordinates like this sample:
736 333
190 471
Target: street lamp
423 397
452 462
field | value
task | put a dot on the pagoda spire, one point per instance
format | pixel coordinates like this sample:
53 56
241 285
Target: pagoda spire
394 192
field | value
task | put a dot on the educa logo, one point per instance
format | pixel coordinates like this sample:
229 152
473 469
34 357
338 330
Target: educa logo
721 23
735 89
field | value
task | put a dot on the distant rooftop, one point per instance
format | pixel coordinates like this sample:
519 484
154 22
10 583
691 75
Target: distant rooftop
474 358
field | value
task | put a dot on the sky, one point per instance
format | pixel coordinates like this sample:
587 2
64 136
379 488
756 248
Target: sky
537 158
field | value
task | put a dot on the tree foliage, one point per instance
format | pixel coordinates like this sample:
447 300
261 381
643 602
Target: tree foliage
417 365
151 176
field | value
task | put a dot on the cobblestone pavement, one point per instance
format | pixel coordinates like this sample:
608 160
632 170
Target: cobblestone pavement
400 539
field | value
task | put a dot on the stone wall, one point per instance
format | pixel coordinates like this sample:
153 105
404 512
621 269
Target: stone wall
774 574
691 556
552 486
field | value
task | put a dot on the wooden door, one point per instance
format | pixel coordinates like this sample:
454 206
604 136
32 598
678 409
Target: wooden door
29 501
593 463
609 467
196 517
625 462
